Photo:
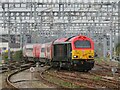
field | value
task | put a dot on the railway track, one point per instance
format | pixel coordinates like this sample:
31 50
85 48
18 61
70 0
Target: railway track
106 70
22 68
70 80
10 65
86 82
15 83
47 81
75 78
102 79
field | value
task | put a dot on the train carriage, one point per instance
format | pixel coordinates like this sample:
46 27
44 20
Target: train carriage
36 52
28 52
42 57
42 52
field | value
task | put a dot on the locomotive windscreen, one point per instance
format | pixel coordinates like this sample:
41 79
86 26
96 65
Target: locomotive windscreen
82 44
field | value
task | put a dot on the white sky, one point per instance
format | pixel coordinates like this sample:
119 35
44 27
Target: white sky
59 0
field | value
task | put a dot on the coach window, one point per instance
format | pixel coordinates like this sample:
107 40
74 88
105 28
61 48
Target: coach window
48 49
29 49
82 44
43 49
4 48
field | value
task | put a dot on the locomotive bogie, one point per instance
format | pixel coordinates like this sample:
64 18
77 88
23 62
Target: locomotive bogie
83 64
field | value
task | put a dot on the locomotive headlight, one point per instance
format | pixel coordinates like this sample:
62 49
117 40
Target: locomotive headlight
90 57
75 56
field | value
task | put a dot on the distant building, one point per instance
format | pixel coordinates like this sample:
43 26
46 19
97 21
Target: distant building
14 41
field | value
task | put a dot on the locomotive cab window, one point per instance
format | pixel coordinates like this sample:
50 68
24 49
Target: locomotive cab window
82 44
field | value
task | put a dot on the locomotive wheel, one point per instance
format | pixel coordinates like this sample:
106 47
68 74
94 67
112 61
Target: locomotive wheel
70 66
26 60
86 70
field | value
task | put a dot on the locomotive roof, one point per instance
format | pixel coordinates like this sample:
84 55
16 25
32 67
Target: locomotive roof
79 36
29 45
68 40
61 42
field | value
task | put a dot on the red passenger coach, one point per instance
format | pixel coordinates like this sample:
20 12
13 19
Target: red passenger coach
28 52
48 50
36 51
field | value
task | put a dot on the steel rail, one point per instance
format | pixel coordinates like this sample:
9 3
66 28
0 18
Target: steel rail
9 82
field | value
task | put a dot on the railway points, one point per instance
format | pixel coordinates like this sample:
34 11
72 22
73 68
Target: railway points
60 44
24 80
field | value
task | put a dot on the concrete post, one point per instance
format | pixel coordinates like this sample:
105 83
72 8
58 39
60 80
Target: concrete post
9 38
104 47
21 35
111 46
